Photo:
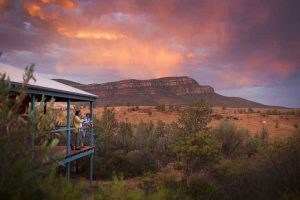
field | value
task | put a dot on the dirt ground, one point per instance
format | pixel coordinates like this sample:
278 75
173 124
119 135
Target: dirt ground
279 125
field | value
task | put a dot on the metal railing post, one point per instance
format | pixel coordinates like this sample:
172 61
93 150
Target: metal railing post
91 143
68 136
91 127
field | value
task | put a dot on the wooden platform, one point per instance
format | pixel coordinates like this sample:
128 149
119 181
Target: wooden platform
62 150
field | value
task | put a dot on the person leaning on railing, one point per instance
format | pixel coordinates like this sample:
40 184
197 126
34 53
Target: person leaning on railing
86 123
78 125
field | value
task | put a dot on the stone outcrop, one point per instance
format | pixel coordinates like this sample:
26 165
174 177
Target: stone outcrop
169 90
178 86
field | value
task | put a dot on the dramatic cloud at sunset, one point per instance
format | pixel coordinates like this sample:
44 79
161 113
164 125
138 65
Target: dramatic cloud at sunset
234 46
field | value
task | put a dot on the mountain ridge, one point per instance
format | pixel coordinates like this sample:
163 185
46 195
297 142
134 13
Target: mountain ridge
180 90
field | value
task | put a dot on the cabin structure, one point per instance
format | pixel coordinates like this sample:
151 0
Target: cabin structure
48 89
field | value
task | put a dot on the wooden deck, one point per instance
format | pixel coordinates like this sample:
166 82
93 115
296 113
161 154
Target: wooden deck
62 150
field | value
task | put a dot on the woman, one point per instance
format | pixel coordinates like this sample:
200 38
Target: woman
78 125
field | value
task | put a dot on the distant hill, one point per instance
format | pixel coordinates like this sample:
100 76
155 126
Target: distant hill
169 90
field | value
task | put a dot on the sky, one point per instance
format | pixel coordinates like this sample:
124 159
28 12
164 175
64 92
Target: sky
242 48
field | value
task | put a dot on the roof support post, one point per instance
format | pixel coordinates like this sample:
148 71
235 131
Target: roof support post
32 108
68 136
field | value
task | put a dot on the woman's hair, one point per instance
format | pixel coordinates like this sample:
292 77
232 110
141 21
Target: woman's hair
77 112
87 114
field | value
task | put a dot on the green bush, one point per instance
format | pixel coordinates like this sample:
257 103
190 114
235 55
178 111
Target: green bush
197 152
273 174
141 162
234 141
195 119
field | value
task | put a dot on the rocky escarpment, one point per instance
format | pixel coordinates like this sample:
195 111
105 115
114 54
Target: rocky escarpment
177 86
168 90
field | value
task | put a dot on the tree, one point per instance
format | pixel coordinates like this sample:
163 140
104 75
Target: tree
108 122
197 152
125 135
195 119
231 138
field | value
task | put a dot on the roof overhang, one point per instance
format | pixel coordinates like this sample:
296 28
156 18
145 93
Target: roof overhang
59 96
45 87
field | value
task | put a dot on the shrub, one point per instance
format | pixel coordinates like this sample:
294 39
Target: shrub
197 152
117 190
296 125
140 162
217 116
195 119
161 107
274 174
108 121
276 124
264 134
124 137
195 188
232 139
250 110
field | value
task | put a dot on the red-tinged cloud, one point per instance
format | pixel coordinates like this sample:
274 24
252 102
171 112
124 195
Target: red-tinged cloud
225 44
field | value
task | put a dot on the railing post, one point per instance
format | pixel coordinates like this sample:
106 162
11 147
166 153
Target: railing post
68 136
91 143
91 127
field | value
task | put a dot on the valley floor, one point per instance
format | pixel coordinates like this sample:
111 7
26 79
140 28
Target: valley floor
279 125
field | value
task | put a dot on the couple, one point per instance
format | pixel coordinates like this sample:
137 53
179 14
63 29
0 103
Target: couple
81 126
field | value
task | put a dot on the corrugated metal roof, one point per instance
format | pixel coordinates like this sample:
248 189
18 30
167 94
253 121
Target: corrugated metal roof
16 76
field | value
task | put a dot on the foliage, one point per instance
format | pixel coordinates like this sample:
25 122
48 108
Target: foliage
108 121
264 134
21 175
133 149
296 125
234 141
250 110
194 119
153 188
125 135
161 107
197 152
274 174
118 191
273 112
276 124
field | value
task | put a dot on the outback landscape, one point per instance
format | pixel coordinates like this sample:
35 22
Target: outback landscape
150 100
163 99
280 122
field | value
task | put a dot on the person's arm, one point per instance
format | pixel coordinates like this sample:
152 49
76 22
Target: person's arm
78 120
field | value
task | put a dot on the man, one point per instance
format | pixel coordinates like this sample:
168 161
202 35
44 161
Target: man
86 123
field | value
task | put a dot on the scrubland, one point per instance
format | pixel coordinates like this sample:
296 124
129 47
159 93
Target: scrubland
280 122
161 152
